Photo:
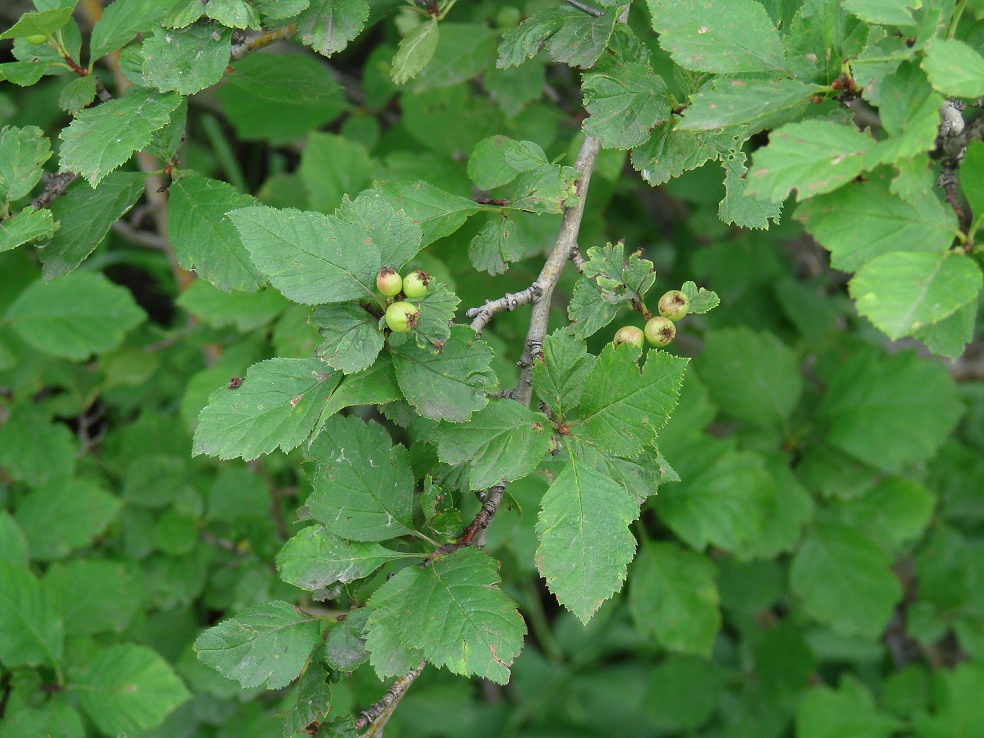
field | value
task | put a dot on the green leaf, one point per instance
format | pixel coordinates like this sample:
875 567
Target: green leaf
266 644
848 712
739 208
954 68
186 60
956 697
285 79
85 216
641 475
102 138
844 580
500 242
345 645
505 440
525 40
951 335
760 103
498 160
75 316
901 292
625 102
548 189
753 376
352 339
309 256
585 542
65 515
35 450
811 157
668 152
464 51
25 226
13 544
31 630
24 74
316 558
332 166
22 153
203 235
909 111
122 21
361 489
673 597
233 13
449 385
313 700
415 51
622 280
884 12
588 310
54 718
95 596
893 512
724 499
875 416
130 688
77 93
278 405
373 386
972 180
391 231
389 652
246 311
455 614
559 374
726 36
47 22
435 313
622 408
438 213
864 220
327 26
280 9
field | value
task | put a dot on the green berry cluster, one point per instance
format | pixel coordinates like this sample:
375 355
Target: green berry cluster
660 329
402 316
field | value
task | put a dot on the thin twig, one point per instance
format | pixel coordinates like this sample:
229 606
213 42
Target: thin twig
55 188
482 315
264 39
586 8
378 713
547 281
146 239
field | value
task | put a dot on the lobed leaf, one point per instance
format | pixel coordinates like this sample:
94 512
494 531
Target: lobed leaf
622 408
625 102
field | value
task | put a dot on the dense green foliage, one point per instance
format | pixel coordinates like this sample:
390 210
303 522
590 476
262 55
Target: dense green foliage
254 483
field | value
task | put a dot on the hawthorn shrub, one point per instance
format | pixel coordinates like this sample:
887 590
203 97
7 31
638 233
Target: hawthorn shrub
324 385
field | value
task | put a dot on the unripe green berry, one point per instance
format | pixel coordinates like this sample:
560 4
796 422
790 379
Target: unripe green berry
415 284
388 282
630 334
36 39
508 16
660 331
673 305
401 317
